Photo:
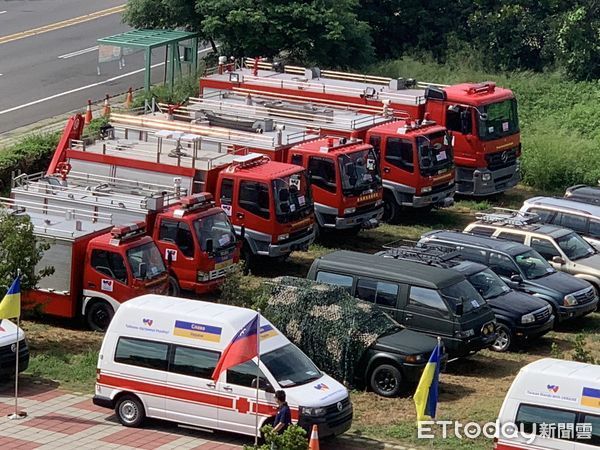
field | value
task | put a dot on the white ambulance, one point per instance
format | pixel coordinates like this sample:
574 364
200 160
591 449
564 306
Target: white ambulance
8 349
552 404
159 353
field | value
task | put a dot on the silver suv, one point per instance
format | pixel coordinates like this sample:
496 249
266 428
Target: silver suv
564 249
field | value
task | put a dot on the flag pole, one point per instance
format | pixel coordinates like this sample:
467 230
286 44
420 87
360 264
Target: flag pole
17 415
257 380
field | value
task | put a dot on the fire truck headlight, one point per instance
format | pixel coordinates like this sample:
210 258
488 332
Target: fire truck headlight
283 237
425 190
486 177
349 210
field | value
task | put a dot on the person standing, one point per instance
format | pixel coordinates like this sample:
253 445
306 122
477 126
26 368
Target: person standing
283 419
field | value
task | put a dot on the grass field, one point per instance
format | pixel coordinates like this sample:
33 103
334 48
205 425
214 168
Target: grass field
471 389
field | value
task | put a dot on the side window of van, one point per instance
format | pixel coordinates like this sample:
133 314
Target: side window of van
532 417
575 223
379 292
594 438
245 375
482 231
194 361
336 279
513 237
544 214
427 298
503 265
142 353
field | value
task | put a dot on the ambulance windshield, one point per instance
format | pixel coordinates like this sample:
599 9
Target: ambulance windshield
145 261
290 367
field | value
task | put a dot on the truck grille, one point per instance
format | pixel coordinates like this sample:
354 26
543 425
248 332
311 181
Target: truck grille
542 315
296 235
441 187
335 417
585 296
500 160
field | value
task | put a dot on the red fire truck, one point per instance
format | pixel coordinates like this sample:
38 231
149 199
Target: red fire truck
269 203
97 266
195 238
406 183
482 117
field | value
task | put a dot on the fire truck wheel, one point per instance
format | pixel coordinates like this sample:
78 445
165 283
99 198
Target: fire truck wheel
391 209
174 289
248 258
130 411
98 315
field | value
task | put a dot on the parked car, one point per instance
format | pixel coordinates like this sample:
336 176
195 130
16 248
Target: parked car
428 299
8 349
159 353
519 316
584 194
523 269
554 405
580 217
564 249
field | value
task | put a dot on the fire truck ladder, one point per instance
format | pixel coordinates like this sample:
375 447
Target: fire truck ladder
505 216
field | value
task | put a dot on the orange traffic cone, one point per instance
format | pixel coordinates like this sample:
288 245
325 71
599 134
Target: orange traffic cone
106 108
314 439
88 113
129 98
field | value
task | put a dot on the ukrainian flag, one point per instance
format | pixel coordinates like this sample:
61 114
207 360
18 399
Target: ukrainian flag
426 395
10 306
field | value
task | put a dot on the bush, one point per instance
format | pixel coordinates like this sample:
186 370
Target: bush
183 89
29 155
294 438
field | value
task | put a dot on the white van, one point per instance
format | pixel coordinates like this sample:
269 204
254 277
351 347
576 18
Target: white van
159 353
557 404
8 349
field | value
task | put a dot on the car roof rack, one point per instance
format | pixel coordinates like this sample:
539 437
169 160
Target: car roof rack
506 216
431 254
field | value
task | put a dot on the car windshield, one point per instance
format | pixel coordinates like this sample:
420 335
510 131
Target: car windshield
574 246
290 367
359 172
500 119
435 153
216 227
148 255
463 292
533 265
488 284
293 199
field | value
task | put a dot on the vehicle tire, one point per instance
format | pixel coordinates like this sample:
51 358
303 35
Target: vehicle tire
391 209
174 289
248 258
386 380
504 340
98 315
130 411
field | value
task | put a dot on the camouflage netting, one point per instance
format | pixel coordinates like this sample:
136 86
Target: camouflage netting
325 322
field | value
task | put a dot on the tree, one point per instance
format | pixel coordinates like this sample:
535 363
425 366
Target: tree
19 250
579 41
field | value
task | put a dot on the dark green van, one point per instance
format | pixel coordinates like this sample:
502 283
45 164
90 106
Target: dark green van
436 301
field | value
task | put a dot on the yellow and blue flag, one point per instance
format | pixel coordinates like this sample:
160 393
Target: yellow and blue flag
10 306
426 395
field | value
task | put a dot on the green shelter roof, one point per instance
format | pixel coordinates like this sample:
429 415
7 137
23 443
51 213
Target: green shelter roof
147 39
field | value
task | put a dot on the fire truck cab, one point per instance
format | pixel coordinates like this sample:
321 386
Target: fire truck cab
417 165
97 266
345 180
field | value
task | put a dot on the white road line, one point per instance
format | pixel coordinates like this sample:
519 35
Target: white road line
3 12
78 52
83 88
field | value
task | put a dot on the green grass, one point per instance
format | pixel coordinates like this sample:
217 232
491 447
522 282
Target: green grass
74 371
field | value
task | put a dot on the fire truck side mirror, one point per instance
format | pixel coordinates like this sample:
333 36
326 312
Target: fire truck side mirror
209 246
143 271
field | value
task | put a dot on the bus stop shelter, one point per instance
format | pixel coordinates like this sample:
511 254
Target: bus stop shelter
147 40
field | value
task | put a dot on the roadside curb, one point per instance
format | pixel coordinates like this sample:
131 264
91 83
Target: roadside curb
366 441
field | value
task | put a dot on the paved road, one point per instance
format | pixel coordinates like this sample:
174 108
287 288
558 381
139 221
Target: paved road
48 63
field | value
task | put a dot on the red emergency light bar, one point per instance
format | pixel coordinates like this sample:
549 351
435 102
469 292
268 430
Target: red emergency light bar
482 88
125 232
202 199
249 160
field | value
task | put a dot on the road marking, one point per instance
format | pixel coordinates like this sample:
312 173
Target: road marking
3 12
89 86
61 24
78 52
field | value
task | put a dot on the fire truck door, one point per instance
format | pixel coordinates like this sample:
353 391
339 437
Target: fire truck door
176 244
108 275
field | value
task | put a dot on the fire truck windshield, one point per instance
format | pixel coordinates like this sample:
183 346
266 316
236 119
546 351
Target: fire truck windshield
216 227
359 172
435 153
497 120
293 199
145 261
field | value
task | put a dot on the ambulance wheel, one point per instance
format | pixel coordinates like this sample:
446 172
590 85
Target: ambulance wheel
386 380
98 315
504 339
130 411
391 209
174 289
